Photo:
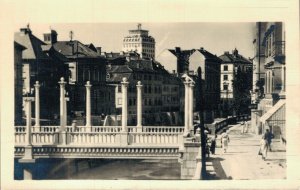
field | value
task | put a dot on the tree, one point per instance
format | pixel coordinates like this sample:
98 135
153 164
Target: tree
242 85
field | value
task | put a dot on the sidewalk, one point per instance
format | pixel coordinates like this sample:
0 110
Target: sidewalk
241 161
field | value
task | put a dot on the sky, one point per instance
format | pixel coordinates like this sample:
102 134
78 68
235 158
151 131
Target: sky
214 37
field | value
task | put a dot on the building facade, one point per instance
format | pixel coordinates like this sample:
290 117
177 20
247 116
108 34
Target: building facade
235 68
86 64
160 91
18 82
41 63
139 40
270 110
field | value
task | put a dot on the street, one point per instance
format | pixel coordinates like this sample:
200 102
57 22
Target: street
241 161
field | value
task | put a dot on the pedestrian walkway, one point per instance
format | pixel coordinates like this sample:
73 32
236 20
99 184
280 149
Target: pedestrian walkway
241 161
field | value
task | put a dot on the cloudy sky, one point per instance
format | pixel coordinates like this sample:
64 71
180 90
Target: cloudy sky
214 37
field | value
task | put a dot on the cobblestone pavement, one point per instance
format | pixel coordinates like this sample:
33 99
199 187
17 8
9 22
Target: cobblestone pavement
241 161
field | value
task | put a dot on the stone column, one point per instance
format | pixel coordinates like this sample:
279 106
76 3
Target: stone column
28 101
28 159
186 107
88 104
62 84
124 104
191 106
37 103
139 106
62 135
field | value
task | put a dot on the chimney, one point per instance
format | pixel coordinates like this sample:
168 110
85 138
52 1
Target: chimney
50 38
226 52
98 50
177 49
201 48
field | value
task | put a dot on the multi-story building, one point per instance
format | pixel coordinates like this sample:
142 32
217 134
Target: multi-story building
232 63
44 64
139 40
18 82
178 62
270 111
86 64
160 90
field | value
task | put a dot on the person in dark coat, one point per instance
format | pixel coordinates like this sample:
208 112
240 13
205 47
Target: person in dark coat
213 144
268 136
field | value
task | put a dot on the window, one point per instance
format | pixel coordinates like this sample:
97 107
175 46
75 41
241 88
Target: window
225 77
225 67
225 86
119 88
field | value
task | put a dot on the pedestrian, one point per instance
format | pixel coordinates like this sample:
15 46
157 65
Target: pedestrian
224 140
246 127
268 137
242 127
263 148
213 144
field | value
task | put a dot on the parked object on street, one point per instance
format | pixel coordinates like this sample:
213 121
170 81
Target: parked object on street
224 141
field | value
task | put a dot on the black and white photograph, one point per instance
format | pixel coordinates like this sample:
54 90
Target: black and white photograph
150 101
163 104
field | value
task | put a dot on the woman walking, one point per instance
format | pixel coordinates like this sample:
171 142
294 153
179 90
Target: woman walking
213 144
263 147
224 140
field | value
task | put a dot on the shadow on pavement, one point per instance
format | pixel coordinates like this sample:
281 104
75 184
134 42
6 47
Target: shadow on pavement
218 169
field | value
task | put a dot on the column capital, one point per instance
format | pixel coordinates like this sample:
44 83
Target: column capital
62 81
139 84
124 81
37 84
88 84
28 99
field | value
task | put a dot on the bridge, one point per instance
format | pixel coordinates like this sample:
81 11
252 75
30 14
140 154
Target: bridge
110 142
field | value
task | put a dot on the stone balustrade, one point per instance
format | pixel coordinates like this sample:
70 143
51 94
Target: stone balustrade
99 135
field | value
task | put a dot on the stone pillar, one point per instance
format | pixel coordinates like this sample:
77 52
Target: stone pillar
191 106
190 160
63 109
28 101
186 107
28 159
62 84
37 103
139 106
88 104
124 104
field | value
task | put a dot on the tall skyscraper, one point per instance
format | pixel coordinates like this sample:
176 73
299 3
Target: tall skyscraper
138 40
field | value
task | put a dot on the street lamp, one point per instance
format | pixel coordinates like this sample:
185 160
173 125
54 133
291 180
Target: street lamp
201 125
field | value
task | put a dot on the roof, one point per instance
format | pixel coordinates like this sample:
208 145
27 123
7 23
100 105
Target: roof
208 55
185 53
234 58
18 46
75 49
32 44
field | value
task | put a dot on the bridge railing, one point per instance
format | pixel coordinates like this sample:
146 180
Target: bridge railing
145 138
171 129
49 135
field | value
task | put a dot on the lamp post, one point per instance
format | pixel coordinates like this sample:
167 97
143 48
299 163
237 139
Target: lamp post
201 114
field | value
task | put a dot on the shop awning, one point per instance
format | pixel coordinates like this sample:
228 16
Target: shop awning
277 112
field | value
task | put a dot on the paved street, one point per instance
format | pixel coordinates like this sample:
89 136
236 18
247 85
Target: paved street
241 161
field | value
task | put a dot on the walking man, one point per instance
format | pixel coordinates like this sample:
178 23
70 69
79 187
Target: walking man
268 136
